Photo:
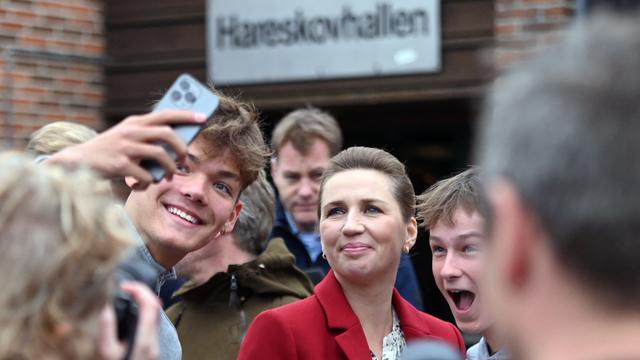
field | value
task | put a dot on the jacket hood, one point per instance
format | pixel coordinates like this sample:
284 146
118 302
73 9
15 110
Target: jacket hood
272 272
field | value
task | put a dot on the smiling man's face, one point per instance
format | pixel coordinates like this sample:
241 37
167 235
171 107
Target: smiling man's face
181 215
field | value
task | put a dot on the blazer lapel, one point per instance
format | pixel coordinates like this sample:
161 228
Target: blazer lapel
354 344
341 318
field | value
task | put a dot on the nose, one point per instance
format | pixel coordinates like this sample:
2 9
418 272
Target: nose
307 188
352 224
450 269
193 188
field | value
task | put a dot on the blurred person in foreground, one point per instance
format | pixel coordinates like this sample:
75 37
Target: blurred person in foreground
558 151
302 143
58 135
61 238
233 279
196 201
451 210
366 222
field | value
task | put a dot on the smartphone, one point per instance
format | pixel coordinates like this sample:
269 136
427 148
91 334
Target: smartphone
186 93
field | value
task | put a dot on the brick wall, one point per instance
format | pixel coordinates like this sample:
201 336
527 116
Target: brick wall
54 71
524 26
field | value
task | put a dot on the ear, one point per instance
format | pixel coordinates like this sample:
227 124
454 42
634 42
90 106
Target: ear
411 233
274 166
233 217
130 181
515 234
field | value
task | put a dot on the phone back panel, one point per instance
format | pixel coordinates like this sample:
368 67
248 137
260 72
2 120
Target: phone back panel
186 93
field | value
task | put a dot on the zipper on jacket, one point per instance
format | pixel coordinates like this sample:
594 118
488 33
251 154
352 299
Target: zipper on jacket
234 302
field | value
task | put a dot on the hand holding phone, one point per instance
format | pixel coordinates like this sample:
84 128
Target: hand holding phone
186 93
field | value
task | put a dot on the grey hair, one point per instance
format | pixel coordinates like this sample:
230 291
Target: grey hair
256 218
564 130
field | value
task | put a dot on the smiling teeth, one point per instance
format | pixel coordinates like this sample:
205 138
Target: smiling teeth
183 215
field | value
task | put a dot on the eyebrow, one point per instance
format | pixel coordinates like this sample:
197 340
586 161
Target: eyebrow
464 236
228 175
192 158
365 201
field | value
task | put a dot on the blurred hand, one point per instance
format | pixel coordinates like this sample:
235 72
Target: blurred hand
146 345
118 151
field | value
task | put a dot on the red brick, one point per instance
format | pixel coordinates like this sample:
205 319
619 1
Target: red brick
71 81
52 20
22 101
541 27
20 15
30 41
33 91
517 13
92 48
558 12
506 29
10 26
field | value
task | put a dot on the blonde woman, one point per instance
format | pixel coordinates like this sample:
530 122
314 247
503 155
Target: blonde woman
60 240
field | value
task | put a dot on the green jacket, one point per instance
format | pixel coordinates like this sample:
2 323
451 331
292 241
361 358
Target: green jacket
212 319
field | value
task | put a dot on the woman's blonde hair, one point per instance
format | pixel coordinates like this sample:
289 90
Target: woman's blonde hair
60 240
56 136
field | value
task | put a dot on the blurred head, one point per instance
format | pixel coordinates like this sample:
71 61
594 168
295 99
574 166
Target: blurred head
60 240
366 214
254 225
303 141
557 147
56 136
181 215
450 211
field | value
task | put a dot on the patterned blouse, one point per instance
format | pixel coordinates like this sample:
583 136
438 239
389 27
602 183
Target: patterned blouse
393 344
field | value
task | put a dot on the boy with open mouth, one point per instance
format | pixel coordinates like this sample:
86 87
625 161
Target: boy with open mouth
449 210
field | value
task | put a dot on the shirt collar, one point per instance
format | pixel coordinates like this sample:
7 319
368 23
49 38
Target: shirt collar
163 273
292 224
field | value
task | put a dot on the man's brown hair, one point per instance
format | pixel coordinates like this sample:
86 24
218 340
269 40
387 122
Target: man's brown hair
235 130
301 127
440 201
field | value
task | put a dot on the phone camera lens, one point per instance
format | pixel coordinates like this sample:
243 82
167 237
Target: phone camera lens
184 85
190 97
176 95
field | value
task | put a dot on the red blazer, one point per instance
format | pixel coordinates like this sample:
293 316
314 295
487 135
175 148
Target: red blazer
324 326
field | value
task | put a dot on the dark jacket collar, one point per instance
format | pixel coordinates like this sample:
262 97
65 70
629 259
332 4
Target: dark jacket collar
281 217
272 272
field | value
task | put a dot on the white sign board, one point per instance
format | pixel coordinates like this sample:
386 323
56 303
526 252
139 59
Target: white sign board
258 41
